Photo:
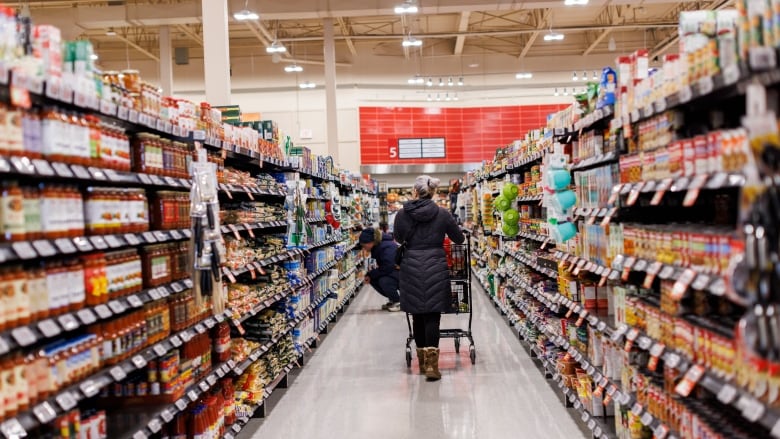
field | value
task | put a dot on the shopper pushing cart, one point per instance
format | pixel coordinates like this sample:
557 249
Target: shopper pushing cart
424 279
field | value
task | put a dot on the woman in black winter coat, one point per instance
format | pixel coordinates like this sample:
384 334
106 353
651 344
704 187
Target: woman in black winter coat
424 278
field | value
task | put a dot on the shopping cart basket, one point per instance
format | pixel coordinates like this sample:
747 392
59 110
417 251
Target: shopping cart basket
459 263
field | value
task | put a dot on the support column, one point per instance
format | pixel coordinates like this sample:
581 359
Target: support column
216 51
331 109
166 61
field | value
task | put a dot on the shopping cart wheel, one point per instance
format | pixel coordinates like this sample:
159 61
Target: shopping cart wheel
473 354
408 357
457 345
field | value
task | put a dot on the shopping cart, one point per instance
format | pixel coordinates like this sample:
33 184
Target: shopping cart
459 263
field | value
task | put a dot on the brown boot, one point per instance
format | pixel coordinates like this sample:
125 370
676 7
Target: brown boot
421 359
432 364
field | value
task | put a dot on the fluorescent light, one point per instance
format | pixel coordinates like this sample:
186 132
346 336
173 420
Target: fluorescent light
554 36
407 7
93 57
111 32
574 77
276 47
411 42
293 68
524 75
307 84
575 2
245 14
415 80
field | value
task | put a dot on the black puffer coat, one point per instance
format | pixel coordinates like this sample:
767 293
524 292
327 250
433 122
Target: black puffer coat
425 281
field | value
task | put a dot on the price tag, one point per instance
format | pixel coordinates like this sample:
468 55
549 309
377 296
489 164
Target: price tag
24 250
135 301
693 190
166 416
705 85
149 237
631 336
752 409
181 404
49 328
627 266
176 341
44 412
140 434
83 244
701 282
89 388
42 167
655 353
689 381
673 360
682 283
117 373
23 336
175 235
44 248
199 328
646 419
685 94
139 361
86 316
640 265
210 323
81 172
249 230
145 179
116 306
727 394
132 116
666 272
65 400
661 431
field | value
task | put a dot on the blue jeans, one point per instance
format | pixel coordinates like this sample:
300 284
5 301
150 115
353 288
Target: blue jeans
388 287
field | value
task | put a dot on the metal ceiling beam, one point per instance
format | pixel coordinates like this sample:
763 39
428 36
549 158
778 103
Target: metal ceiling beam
192 35
540 20
137 47
347 31
463 26
596 42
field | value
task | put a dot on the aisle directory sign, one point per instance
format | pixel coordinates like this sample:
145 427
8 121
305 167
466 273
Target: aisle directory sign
421 148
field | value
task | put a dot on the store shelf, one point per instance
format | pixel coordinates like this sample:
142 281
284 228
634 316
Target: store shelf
597 116
250 191
595 161
65 399
50 328
25 167
530 198
46 248
251 226
529 263
718 180
315 219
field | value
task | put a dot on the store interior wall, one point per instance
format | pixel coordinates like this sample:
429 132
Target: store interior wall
369 80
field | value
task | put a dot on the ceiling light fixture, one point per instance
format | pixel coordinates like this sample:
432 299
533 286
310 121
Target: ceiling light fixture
430 98
574 76
524 75
438 97
460 81
450 83
565 92
93 57
429 83
246 13
416 80
595 76
556 92
612 45
584 76
293 68
441 82
111 32
575 2
448 98
554 36
411 41
455 98
276 47
307 85
407 7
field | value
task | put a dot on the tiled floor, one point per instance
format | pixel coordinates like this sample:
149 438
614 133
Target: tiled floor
357 385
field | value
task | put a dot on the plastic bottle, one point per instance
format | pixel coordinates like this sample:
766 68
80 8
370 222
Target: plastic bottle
12 212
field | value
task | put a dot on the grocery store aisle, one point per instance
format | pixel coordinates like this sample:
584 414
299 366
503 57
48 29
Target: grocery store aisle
357 385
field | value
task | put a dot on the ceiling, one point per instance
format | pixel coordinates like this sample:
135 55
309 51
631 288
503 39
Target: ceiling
448 28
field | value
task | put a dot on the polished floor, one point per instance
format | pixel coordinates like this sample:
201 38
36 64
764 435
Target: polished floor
357 385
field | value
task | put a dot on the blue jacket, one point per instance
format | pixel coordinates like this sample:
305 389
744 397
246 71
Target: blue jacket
384 254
